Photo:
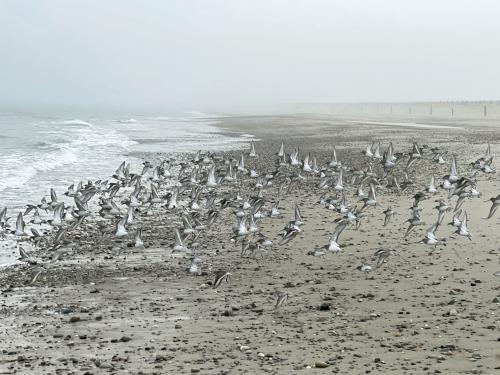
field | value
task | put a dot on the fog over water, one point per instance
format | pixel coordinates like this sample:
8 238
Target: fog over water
223 55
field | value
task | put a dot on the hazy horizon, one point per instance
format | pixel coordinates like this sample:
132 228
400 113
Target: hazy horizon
232 55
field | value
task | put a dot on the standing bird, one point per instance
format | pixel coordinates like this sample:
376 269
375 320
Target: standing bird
365 268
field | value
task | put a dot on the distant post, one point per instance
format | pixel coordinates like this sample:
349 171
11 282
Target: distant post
485 111
430 110
409 110
452 111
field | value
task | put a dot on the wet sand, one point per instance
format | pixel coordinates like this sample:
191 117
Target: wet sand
108 307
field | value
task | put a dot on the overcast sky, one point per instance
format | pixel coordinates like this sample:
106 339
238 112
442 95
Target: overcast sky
221 54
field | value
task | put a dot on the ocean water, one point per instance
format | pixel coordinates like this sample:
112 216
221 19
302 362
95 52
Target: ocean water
38 152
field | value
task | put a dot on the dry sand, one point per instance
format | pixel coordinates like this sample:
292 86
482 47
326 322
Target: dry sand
116 309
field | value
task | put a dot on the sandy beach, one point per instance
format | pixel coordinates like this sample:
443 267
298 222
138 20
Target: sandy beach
107 307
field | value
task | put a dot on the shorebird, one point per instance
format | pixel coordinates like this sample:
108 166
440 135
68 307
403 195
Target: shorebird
172 199
241 164
446 185
334 161
297 215
53 198
20 226
414 221
339 186
194 268
388 159
316 252
389 212
415 155
252 227
220 276
418 197
37 236
3 218
474 193
461 198
495 201
294 158
281 151
359 192
44 205
430 236
453 176
456 222
242 226
60 236
462 230
431 189
138 240
365 268
376 153
70 192
120 172
253 154
289 234
121 231
24 256
382 255
281 298
37 272
187 226
305 164
275 212
371 200
334 246
179 242
368 152
154 197
57 215
442 208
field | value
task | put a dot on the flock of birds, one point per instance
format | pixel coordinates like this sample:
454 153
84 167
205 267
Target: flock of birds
203 187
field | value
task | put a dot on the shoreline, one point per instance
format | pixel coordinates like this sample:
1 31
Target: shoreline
114 308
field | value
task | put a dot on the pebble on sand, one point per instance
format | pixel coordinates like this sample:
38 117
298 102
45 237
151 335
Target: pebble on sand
321 364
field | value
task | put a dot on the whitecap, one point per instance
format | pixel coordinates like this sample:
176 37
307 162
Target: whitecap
75 121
